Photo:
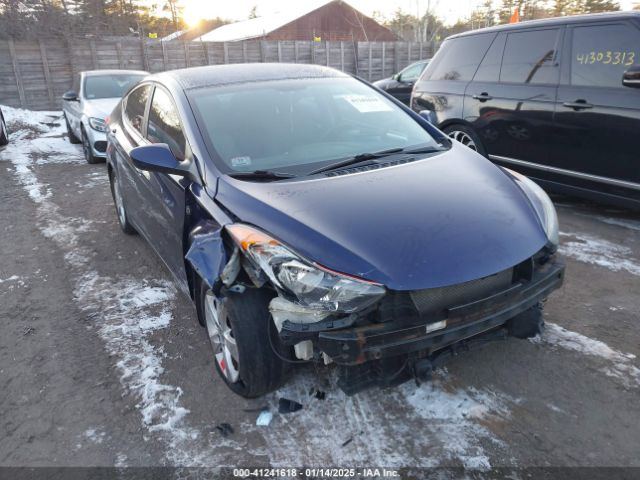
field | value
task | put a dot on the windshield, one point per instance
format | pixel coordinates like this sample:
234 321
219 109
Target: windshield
296 125
109 86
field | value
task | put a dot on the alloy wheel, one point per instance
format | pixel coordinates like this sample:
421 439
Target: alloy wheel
117 195
86 148
221 337
464 138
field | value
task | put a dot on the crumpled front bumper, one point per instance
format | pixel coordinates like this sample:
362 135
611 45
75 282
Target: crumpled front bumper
357 345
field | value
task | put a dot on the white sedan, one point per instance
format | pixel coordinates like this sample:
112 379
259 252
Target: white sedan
94 95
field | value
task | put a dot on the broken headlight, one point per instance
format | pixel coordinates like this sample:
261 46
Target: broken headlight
303 282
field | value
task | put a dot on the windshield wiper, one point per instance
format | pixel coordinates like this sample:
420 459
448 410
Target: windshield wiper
261 175
371 156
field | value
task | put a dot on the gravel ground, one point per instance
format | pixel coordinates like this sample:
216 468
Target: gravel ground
102 362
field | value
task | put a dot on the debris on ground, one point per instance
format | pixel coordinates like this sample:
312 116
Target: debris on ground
347 442
288 406
225 429
28 330
319 394
264 419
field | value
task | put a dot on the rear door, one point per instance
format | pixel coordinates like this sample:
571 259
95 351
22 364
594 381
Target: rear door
441 88
130 136
598 117
510 102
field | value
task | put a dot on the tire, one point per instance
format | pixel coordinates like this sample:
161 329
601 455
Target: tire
72 136
528 323
4 133
88 151
254 369
467 136
118 201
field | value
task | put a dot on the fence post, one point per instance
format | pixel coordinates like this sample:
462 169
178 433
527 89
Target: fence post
409 53
225 48
165 61
145 60
342 56
205 46
187 59
94 54
295 50
384 48
244 51
370 60
326 51
263 53
313 52
119 53
420 51
279 52
397 47
16 72
47 73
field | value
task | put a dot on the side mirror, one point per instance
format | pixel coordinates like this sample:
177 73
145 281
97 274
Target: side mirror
159 158
429 116
70 96
396 77
631 78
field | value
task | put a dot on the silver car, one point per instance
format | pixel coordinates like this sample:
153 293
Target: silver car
94 95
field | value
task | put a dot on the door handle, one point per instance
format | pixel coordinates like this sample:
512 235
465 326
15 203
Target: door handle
579 104
483 97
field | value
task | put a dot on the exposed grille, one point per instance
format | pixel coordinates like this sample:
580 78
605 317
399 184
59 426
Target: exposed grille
434 300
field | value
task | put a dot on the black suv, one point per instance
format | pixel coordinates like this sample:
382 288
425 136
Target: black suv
555 99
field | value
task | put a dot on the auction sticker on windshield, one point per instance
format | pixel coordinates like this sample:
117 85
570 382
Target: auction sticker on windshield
367 103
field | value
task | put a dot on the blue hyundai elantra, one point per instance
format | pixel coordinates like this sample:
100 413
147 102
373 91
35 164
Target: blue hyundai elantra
313 218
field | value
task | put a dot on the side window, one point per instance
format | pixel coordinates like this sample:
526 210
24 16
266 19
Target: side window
529 57
458 58
164 124
136 103
489 69
411 73
601 54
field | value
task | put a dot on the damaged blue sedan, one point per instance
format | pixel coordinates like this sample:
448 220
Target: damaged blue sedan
313 218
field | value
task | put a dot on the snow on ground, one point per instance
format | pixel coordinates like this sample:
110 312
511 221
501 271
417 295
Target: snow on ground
618 222
596 251
617 364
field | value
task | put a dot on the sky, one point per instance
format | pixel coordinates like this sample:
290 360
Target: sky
449 10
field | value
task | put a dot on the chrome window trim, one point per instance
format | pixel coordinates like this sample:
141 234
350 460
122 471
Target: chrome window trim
570 173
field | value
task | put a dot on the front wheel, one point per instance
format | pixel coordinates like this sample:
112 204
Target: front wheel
466 136
88 151
243 339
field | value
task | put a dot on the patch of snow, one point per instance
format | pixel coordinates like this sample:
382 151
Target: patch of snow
95 436
619 365
12 278
596 251
391 424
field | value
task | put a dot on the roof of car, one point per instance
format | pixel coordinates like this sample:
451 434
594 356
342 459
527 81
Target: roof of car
94 73
218 75
553 21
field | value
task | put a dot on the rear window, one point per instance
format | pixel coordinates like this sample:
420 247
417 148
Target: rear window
459 58
529 57
136 105
601 54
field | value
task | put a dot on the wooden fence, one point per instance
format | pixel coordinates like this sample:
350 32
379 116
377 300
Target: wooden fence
36 74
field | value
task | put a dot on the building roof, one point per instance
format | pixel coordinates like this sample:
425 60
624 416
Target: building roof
260 26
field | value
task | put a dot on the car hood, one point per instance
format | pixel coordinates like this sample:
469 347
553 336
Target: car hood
100 107
384 83
435 222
